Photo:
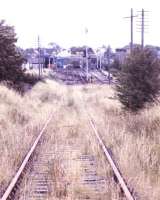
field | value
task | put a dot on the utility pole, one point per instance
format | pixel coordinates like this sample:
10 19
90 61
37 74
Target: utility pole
86 31
100 61
142 25
97 60
39 65
86 62
108 61
97 55
131 28
142 30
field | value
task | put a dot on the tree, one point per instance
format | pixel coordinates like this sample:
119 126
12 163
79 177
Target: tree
11 58
81 50
55 47
139 79
27 53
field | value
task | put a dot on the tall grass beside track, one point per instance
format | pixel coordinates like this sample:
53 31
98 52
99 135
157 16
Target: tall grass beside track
133 139
69 136
21 119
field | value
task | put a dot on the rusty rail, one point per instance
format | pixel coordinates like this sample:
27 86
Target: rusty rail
112 163
24 163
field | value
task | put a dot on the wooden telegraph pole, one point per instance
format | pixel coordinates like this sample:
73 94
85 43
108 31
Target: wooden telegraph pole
86 32
142 29
108 60
39 65
131 17
142 25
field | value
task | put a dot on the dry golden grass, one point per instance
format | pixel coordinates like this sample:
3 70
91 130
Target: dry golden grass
133 139
21 119
73 138
68 137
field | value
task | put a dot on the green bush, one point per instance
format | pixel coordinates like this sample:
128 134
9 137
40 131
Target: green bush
11 60
139 79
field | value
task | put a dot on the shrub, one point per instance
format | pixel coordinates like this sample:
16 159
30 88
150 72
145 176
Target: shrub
11 59
139 79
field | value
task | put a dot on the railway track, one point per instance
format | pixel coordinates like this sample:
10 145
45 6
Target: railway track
118 175
123 185
82 76
94 77
78 76
100 77
40 176
69 77
40 173
8 194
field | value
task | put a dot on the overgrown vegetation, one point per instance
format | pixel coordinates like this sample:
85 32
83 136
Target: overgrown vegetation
132 139
129 137
21 119
139 79
11 60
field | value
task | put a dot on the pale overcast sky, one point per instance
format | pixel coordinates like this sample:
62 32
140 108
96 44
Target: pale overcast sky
64 21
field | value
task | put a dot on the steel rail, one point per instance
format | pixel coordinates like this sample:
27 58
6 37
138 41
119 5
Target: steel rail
94 75
25 161
112 163
81 77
